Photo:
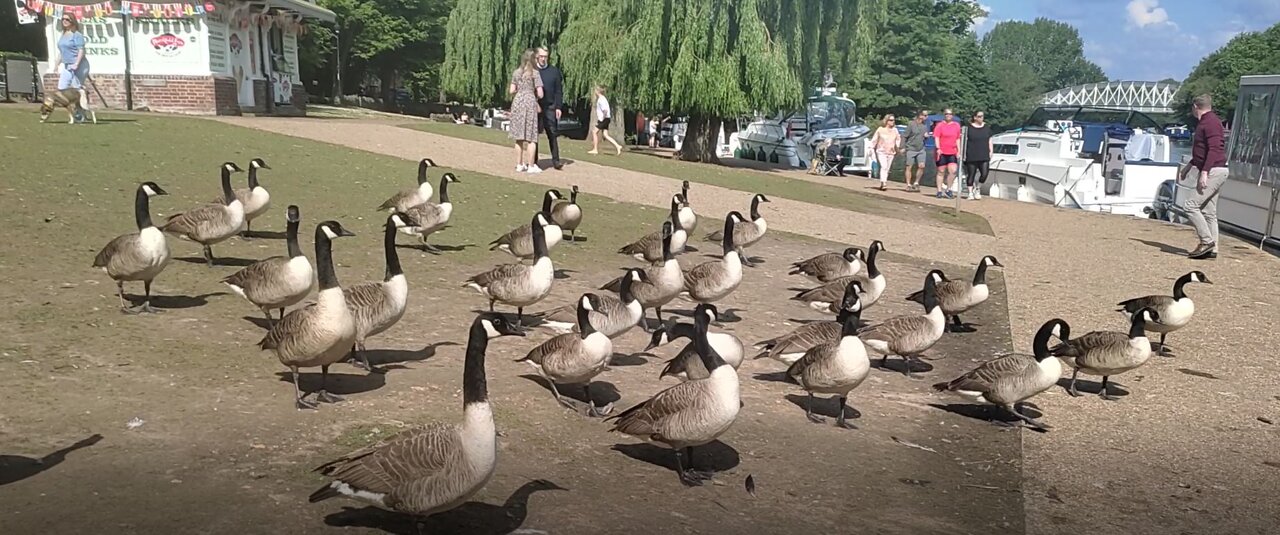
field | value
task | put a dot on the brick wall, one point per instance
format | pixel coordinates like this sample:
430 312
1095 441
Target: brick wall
225 99
260 103
300 98
168 94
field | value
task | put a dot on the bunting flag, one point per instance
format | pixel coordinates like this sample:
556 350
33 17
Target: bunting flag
55 10
140 9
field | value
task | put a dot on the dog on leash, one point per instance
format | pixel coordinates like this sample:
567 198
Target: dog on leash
72 100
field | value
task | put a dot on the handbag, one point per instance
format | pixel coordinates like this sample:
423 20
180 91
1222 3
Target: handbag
875 168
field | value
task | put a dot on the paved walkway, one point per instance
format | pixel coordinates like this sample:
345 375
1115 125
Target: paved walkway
1184 452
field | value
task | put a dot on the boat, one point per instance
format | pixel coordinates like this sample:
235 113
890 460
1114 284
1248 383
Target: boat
791 138
1090 158
1177 132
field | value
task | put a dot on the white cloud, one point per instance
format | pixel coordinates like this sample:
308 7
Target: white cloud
1143 13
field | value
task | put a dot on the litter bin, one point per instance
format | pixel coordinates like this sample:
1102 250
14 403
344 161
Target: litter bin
19 76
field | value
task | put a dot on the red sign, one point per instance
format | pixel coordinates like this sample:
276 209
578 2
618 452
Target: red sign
167 44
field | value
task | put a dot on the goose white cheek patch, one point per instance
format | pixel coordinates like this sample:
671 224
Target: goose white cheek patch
329 232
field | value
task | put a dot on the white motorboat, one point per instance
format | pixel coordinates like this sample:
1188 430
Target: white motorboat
1097 159
791 138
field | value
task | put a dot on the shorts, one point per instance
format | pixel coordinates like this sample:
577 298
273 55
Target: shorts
603 124
68 78
915 157
947 159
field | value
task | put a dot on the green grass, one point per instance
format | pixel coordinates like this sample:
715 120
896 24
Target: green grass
774 184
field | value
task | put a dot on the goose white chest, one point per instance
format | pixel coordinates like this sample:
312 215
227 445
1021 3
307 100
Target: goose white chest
1174 316
153 247
257 202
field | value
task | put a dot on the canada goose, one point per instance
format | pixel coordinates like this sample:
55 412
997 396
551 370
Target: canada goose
409 198
663 282
827 267
279 281
255 198
211 223
568 214
430 217
747 235
435 467
688 219
610 315
712 281
574 358
1010 379
1174 312
377 305
911 335
519 241
789 347
827 297
649 248
519 285
1108 353
687 364
320 333
137 256
956 296
691 413
833 367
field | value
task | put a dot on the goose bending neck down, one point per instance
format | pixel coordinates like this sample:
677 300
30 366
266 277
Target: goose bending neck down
137 256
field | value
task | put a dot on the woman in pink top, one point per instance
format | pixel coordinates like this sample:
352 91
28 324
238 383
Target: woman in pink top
947 135
885 144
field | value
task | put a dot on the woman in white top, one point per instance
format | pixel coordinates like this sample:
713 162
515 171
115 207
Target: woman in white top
885 143
603 116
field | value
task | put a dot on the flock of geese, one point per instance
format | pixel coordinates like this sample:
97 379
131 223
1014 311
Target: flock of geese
436 467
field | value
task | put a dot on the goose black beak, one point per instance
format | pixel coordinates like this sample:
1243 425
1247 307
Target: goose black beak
345 232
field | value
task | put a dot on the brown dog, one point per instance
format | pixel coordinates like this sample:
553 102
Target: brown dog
70 98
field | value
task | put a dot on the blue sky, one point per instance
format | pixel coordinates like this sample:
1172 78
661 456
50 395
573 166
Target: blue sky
1143 39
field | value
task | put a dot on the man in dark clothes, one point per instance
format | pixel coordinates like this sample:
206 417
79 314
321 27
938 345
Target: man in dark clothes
1209 164
552 103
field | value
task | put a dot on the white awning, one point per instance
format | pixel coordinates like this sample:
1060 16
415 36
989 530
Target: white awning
304 8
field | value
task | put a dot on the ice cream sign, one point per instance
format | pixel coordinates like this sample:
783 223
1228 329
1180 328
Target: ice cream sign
167 44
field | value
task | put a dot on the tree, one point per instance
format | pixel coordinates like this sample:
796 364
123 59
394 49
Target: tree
1053 50
1017 92
484 39
1218 74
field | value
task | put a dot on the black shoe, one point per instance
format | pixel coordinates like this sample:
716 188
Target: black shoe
1202 252
558 166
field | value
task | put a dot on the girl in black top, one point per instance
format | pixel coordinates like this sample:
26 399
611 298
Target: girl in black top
977 154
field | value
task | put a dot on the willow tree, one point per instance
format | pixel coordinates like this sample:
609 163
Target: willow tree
484 39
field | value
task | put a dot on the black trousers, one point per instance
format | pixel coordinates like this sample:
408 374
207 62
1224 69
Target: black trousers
551 127
976 170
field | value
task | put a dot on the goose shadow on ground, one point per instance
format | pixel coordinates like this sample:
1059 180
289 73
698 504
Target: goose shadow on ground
383 356
1163 247
218 261
715 456
1085 386
773 377
601 392
341 384
470 517
625 359
14 468
574 239
727 315
563 273
825 405
898 364
176 301
991 413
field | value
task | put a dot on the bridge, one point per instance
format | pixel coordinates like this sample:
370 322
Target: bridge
1146 97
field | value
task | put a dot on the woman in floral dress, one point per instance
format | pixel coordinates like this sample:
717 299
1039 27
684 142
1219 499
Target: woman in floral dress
526 85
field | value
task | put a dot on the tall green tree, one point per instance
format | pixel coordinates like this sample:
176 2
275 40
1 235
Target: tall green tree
484 39
1218 74
1053 50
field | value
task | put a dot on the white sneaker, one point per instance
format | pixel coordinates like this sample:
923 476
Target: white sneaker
970 196
977 195
533 170
521 168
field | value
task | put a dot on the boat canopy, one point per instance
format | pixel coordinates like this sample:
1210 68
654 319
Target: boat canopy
831 113
1090 115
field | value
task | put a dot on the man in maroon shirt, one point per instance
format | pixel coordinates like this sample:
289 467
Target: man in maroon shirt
1209 164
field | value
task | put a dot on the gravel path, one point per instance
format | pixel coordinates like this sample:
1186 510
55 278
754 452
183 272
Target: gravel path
1186 451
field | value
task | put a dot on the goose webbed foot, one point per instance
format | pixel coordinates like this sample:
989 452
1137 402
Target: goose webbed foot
324 396
599 412
1102 393
360 359
303 404
1027 420
1072 388
808 412
689 476
906 366
146 308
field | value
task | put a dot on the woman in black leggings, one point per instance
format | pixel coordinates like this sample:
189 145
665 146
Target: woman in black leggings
977 154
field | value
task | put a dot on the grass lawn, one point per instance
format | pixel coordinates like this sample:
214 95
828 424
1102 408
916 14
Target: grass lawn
773 184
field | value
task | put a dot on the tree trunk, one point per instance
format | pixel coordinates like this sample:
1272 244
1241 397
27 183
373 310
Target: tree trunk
700 140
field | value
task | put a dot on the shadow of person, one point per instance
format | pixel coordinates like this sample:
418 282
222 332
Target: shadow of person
715 456
15 468
1163 247
470 517
341 384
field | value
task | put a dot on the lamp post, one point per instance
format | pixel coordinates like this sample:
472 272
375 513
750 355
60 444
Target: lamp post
337 65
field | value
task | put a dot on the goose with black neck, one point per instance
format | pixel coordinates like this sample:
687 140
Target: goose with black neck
137 256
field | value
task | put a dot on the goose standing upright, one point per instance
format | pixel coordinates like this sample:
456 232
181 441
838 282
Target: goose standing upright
827 267
277 282
574 358
709 282
320 333
956 296
790 347
911 335
255 198
1108 353
836 367
691 413
687 364
137 256
430 217
663 281
435 467
409 198
827 297
377 305
688 219
568 215
1174 312
613 316
747 235
1011 379
211 223
519 285
519 241
649 248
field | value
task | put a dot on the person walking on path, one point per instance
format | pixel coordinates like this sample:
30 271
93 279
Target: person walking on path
603 115
914 143
885 143
75 67
1209 166
977 155
552 102
947 135
526 85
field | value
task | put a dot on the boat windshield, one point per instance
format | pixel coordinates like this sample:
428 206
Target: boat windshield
1086 114
831 113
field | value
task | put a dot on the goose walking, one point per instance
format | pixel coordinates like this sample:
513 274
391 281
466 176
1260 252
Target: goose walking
1011 379
687 364
137 256
320 333
650 247
435 467
277 282
911 335
568 215
1107 353
519 241
828 296
409 198
211 223
790 347
519 285
746 235
835 367
377 305
663 282
827 267
430 217
712 281
688 414
255 198
1175 312
688 219
957 296
613 316
574 358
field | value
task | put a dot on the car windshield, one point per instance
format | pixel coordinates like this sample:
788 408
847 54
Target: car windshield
830 113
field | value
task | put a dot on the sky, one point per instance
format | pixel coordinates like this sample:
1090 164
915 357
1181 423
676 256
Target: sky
1146 40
